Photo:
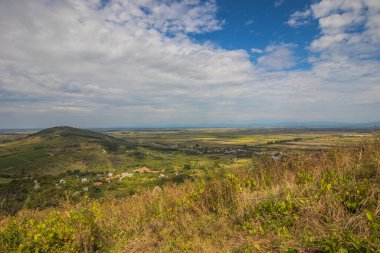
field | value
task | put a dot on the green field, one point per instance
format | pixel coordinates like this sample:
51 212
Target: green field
63 150
204 190
268 138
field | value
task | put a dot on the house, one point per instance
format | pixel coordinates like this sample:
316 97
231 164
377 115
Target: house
36 185
143 170
85 189
97 183
125 174
110 174
84 180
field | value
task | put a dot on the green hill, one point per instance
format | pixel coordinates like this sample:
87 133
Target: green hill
71 132
58 149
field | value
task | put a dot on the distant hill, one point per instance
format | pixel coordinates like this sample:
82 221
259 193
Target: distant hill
58 149
71 132
77 135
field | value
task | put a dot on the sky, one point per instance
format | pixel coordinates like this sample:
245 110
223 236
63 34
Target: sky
162 63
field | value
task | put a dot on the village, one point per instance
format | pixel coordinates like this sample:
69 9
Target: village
106 178
77 183
149 169
223 150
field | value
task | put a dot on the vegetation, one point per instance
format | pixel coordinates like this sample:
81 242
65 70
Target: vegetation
326 201
289 139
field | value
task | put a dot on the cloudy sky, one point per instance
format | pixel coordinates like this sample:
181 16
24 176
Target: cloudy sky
149 63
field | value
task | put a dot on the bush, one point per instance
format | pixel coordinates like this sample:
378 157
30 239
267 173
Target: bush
74 231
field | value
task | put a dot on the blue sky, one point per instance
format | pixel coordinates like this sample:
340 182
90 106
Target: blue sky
151 63
250 24
256 24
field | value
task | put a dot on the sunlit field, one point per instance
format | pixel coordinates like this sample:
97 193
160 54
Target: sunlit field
232 190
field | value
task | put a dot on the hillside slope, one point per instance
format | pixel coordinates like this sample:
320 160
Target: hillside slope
71 132
57 149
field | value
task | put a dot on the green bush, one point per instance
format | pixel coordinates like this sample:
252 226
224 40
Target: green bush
75 231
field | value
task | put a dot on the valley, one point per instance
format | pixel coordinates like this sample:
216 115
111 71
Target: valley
259 183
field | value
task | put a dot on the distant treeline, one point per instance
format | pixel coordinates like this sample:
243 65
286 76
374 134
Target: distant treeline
284 141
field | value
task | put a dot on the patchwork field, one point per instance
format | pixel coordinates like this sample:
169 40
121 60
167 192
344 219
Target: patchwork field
51 153
201 190
260 138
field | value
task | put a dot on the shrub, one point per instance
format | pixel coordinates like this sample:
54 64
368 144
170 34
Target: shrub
74 231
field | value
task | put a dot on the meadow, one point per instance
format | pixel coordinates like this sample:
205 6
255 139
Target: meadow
275 138
221 191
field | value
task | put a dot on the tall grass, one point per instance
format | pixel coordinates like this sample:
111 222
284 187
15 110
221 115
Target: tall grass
318 202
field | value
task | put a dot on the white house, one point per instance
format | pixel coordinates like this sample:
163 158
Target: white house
125 174
36 185
84 180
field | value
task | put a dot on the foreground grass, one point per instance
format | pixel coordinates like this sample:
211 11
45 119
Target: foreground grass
320 202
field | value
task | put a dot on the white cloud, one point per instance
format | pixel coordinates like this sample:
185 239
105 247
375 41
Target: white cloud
278 57
278 3
130 54
349 38
249 22
299 18
329 7
134 63
348 28
257 50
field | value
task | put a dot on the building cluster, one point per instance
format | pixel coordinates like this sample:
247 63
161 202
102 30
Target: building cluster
100 179
197 149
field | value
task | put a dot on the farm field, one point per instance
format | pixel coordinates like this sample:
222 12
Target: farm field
230 190
67 150
156 148
259 138
14 134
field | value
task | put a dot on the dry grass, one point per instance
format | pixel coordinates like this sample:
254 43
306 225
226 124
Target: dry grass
320 202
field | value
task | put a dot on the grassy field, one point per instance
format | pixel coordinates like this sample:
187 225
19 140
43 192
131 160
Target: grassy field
58 152
288 138
208 190
303 202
